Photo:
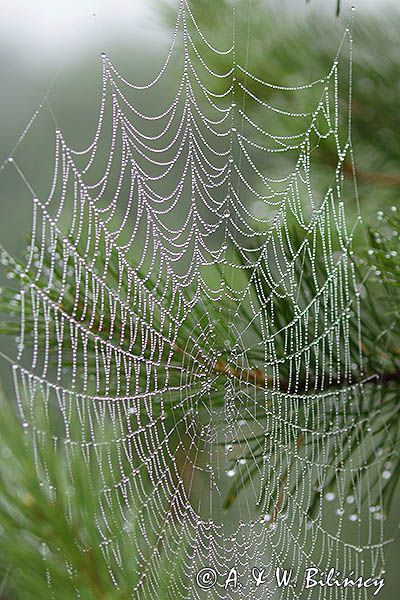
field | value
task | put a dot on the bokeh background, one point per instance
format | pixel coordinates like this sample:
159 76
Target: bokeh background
50 55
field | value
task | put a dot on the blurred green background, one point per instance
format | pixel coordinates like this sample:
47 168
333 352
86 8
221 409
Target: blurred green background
52 50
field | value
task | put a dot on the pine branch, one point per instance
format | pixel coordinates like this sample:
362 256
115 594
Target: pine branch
55 524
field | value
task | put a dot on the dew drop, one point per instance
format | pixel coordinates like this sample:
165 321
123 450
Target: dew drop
353 517
378 516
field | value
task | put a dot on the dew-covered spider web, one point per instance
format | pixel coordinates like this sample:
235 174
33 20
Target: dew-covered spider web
190 324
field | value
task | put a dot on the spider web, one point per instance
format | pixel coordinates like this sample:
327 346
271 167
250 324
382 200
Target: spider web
190 321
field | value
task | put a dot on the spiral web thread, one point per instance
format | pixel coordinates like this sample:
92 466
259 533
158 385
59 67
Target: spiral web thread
151 312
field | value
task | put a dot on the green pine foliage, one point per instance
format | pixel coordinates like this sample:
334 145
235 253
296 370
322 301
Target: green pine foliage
54 536
51 544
